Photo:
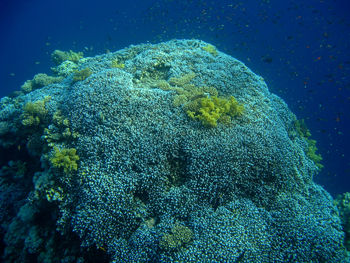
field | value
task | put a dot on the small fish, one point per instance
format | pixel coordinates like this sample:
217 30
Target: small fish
266 59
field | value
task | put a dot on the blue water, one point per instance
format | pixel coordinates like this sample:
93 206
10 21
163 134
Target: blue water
301 48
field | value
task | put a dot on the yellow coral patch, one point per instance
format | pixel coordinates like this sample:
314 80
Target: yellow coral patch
34 112
65 158
53 194
59 56
183 80
116 64
82 74
210 49
210 110
180 235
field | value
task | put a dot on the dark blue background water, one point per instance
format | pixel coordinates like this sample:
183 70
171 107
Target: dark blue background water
301 48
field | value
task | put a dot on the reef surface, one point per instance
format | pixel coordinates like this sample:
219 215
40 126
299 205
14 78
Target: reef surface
169 152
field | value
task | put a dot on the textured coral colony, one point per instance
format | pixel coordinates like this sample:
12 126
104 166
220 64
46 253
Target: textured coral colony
173 152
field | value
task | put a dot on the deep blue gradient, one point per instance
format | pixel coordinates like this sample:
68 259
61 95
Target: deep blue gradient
301 48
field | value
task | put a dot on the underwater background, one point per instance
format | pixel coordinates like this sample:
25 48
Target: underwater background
301 49
166 131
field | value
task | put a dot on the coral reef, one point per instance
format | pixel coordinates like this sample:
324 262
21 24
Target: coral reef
65 158
59 56
210 49
65 68
82 74
113 169
180 235
117 64
34 112
210 110
304 132
343 203
40 80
